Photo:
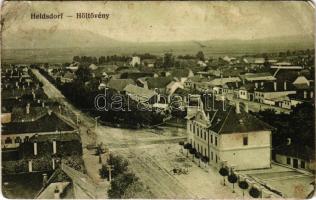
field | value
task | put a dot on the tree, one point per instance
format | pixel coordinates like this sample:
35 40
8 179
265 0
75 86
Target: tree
223 172
254 192
83 73
76 59
187 146
104 173
193 152
168 60
136 190
232 178
199 156
243 185
119 164
200 56
120 184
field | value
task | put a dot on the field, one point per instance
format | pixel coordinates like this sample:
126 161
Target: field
213 49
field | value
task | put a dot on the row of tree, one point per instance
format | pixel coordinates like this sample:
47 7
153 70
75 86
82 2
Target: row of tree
224 171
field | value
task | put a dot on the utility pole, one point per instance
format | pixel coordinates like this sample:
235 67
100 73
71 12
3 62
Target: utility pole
96 122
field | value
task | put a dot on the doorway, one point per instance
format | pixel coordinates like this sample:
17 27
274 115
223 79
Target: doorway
295 163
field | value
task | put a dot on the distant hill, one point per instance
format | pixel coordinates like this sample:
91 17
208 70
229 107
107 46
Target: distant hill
40 39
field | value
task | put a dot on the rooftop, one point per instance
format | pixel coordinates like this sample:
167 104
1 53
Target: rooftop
139 91
119 84
47 123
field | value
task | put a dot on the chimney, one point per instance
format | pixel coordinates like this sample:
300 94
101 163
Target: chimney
275 86
305 94
28 108
285 88
43 104
236 84
262 83
256 84
237 108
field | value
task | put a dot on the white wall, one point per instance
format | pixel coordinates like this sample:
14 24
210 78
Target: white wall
255 155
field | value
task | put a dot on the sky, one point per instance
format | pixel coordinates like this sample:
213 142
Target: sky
169 21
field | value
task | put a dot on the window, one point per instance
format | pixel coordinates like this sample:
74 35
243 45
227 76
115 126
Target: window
205 152
201 133
8 140
215 141
303 164
204 135
198 131
211 139
17 140
190 127
245 140
216 158
288 160
193 128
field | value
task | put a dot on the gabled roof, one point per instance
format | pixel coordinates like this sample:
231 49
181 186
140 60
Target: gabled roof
47 123
139 91
119 84
19 114
158 82
224 119
222 81
258 77
226 122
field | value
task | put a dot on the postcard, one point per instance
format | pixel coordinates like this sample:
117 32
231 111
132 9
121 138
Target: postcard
157 99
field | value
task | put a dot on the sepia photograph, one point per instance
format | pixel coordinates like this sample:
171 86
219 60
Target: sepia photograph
157 99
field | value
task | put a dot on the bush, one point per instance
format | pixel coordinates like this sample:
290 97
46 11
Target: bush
119 164
120 184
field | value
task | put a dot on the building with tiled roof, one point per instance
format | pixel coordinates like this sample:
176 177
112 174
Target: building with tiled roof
119 84
140 94
230 135
296 156
14 133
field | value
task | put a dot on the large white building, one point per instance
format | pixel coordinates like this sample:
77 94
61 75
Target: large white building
229 134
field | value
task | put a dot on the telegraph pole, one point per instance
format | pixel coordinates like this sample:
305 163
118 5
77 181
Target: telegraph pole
96 122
